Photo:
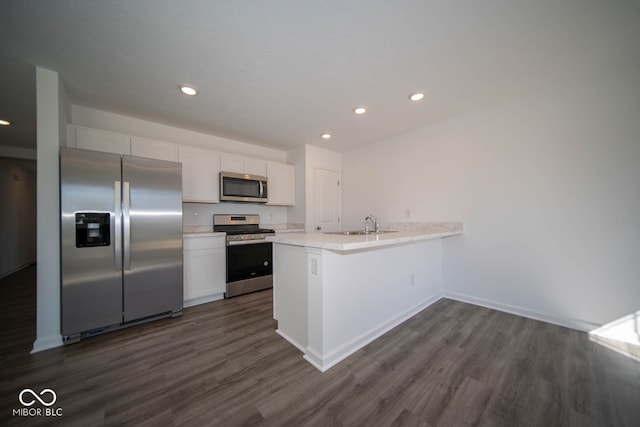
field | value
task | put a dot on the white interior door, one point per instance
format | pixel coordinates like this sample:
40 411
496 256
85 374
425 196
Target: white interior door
327 200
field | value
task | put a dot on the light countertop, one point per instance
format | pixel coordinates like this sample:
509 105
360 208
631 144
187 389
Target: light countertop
289 230
207 230
339 242
285 228
200 231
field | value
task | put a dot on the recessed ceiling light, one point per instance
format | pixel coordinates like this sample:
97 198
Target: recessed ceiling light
360 110
416 96
4 123
188 90
325 136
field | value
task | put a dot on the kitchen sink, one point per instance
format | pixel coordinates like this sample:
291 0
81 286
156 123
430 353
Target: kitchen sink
360 232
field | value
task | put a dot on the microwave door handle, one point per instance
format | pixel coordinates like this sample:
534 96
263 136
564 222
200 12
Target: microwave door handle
261 189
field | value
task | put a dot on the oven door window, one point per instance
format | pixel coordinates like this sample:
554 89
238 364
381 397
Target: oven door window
248 261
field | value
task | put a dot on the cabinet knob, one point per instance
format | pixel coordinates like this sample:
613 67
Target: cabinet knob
318 228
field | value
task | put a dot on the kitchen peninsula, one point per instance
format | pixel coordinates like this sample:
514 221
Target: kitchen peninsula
335 293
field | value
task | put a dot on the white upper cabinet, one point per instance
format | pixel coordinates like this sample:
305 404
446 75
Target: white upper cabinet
231 163
246 165
200 174
255 166
281 184
154 149
99 140
200 167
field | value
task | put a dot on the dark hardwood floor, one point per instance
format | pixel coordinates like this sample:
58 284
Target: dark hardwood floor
222 364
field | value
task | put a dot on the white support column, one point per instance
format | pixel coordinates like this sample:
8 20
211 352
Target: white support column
49 111
316 306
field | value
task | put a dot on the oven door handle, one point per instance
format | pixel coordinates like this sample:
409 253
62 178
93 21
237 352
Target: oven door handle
245 242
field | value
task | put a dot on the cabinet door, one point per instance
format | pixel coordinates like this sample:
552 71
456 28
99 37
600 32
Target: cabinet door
231 164
204 269
200 174
281 184
153 149
255 166
248 165
99 140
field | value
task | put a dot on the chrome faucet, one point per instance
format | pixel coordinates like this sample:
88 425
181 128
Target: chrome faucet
374 222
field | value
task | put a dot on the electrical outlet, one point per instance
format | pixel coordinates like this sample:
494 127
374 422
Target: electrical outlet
314 266
407 213
413 280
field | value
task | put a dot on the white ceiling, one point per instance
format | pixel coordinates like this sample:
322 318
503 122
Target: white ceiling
280 73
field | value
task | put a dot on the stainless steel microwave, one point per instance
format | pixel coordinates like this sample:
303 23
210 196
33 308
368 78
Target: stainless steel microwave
238 187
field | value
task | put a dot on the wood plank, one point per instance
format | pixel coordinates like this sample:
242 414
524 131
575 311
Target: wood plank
222 363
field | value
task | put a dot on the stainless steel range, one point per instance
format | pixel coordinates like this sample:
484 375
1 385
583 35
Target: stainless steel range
249 256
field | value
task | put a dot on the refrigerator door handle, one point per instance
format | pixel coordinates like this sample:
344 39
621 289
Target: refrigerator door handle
117 247
126 205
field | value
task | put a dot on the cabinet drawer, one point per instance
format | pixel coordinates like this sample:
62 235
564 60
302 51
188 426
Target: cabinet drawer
200 243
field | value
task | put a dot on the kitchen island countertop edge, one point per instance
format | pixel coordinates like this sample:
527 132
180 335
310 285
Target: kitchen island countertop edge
339 242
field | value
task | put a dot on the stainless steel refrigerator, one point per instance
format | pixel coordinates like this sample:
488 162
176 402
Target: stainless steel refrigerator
121 241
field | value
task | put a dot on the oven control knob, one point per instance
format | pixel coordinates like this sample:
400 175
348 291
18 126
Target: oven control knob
266 263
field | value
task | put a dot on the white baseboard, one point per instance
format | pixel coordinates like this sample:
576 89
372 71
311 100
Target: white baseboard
293 342
41 344
325 361
571 323
203 299
315 359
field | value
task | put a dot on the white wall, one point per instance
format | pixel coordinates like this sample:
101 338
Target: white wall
18 214
306 159
202 213
18 152
548 187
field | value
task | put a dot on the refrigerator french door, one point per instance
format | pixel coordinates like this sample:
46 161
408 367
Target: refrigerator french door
121 240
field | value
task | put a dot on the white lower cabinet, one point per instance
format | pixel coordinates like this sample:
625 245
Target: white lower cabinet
204 269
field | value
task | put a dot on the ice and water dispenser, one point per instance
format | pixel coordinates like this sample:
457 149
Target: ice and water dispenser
92 229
